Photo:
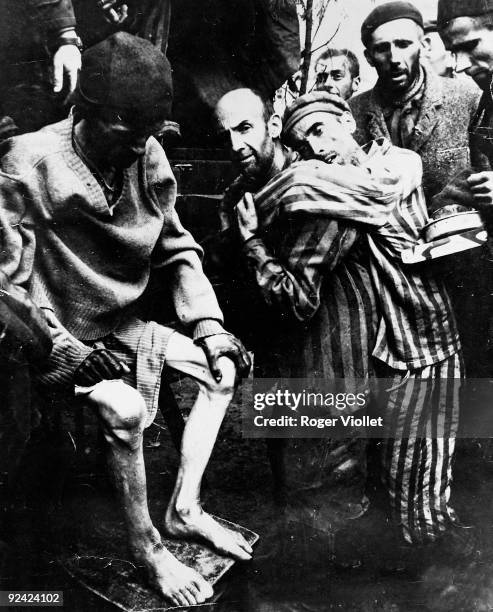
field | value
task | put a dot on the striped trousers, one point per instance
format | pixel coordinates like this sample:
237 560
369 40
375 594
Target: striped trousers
421 414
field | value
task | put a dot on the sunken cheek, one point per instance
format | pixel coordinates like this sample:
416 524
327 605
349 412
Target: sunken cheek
321 143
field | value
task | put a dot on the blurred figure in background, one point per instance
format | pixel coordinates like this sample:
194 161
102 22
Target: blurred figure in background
337 71
434 51
40 58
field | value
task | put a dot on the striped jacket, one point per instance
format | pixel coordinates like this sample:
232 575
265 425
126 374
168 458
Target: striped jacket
416 326
311 268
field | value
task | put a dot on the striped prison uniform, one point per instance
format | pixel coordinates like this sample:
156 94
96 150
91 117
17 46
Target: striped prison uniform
313 270
419 349
421 417
309 266
416 337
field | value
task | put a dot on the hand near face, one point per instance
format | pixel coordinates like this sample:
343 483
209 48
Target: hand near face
247 217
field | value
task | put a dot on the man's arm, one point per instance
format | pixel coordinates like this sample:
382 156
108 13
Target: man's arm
17 251
311 246
472 190
358 194
17 238
180 256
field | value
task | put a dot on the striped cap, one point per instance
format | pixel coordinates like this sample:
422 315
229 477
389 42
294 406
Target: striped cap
317 101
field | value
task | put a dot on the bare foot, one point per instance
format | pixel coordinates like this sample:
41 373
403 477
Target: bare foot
193 523
180 584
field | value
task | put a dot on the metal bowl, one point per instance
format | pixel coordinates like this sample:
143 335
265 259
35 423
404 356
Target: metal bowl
454 223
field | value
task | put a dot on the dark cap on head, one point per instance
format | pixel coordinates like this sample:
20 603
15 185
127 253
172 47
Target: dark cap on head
317 101
128 74
451 9
388 12
430 25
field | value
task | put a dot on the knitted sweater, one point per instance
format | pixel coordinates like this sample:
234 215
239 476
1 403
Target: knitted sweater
85 261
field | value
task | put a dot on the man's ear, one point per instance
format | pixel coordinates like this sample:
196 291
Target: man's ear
355 84
347 120
369 58
426 45
274 126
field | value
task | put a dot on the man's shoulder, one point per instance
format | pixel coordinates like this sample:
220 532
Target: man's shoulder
458 91
458 98
360 101
406 158
27 151
360 106
158 169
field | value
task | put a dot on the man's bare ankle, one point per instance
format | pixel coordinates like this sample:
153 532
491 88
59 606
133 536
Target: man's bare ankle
184 511
145 542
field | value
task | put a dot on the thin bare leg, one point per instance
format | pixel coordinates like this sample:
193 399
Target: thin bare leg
122 412
185 516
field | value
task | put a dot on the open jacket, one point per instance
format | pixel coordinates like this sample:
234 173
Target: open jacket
440 136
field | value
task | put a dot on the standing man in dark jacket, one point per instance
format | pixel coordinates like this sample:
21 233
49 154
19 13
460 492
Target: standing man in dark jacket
467 31
418 110
40 55
466 28
410 105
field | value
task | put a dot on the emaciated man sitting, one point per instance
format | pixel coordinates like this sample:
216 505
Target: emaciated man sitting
86 211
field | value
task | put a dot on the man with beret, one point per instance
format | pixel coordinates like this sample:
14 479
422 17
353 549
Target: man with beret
417 348
410 105
90 213
416 109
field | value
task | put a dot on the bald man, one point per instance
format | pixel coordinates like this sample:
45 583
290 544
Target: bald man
309 274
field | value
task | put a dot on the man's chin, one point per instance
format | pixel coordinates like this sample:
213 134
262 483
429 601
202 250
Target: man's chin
399 87
249 170
396 85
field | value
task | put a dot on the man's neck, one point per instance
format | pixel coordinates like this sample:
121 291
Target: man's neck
279 161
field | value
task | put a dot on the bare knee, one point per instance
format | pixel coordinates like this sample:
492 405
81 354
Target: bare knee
226 386
122 410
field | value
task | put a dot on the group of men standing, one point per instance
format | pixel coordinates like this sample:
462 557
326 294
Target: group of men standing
311 253
326 199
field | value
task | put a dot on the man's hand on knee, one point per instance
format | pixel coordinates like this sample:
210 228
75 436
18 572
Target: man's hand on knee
99 365
225 345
